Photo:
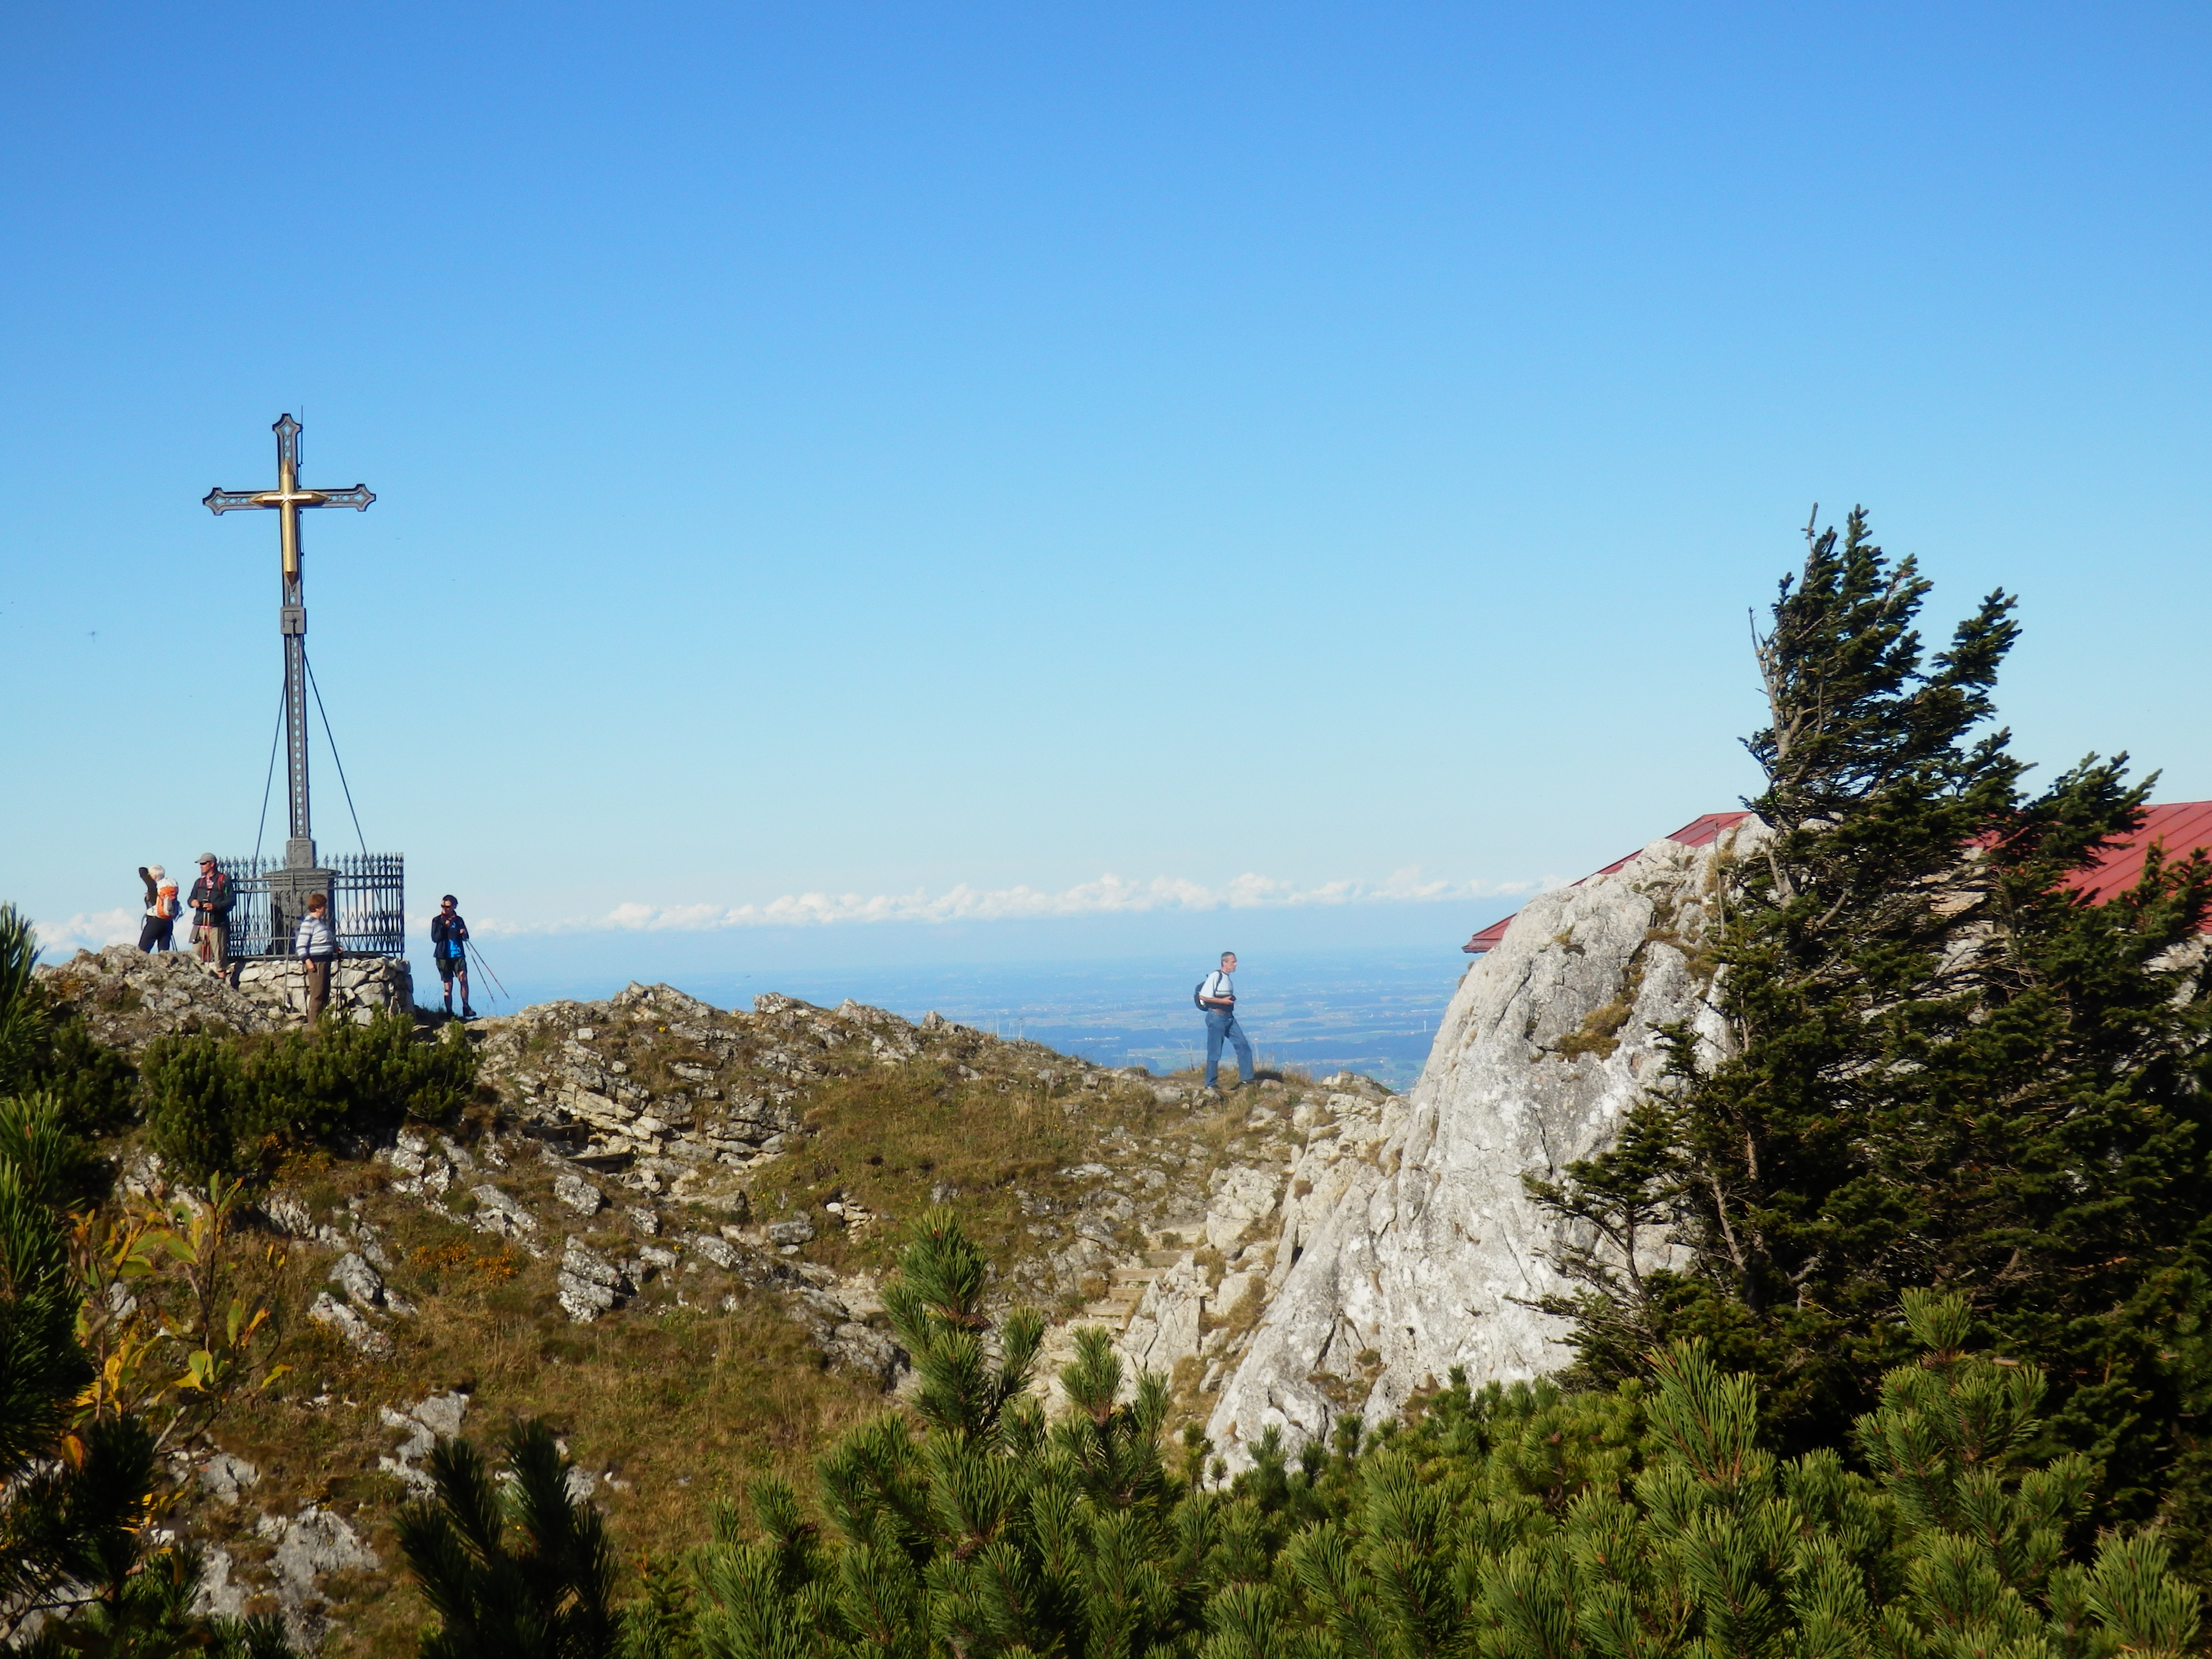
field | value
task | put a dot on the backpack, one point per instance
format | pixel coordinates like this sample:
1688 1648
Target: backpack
1197 997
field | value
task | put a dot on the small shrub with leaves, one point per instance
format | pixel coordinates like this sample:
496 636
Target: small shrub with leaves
81 1571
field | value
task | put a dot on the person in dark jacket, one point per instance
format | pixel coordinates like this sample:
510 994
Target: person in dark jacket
449 945
211 898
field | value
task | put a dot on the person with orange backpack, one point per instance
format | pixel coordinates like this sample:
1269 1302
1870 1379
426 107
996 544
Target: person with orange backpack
158 931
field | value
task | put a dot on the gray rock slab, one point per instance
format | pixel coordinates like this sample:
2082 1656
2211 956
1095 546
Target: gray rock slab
224 1476
1415 1247
351 1274
578 1193
350 1323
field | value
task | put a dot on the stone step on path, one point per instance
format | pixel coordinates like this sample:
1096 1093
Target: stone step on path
1130 1283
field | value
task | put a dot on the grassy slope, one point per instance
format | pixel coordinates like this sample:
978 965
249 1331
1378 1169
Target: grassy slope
680 1402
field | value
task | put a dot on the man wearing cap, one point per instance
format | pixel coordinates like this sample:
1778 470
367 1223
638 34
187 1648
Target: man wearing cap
211 900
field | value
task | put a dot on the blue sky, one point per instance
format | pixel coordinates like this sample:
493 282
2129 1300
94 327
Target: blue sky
1043 469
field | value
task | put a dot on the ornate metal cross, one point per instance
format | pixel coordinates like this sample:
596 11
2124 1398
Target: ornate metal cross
288 498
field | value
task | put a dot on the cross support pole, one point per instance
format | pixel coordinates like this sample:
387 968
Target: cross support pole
288 498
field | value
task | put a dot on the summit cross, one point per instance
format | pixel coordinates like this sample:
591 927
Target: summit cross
288 498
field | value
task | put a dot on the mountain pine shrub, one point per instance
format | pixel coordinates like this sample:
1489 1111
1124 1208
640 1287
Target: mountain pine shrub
512 1562
1648 1519
219 1104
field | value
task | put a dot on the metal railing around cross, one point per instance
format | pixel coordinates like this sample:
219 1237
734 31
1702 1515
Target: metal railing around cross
369 892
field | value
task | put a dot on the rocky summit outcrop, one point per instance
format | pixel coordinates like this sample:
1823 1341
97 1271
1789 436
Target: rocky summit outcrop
1408 1245
659 1106
128 996
667 1227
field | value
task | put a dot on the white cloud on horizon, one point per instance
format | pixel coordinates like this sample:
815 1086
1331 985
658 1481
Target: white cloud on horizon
1109 895
89 930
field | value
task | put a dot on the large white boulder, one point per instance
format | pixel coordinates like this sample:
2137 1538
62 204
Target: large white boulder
1423 1251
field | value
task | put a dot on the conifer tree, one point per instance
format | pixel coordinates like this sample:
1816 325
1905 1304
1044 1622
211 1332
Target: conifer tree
989 1532
1940 1066
514 1565
22 1011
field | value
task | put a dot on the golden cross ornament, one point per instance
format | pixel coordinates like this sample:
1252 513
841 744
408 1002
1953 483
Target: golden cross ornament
288 498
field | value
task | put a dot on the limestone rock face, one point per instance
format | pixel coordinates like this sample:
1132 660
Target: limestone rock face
420 1427
129 997
1422 1251
307 1547
590 1284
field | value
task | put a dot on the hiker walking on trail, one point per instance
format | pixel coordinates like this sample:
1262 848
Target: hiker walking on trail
317 946
1217 995
449 944
158 931
212 896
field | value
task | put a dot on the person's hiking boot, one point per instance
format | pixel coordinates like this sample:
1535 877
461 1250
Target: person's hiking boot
467 1012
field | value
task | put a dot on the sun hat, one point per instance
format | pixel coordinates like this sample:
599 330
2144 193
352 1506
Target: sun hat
207 858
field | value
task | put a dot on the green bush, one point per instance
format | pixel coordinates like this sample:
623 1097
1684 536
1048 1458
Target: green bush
237 1105
196 1091
92 1083
1645 1520
374 1073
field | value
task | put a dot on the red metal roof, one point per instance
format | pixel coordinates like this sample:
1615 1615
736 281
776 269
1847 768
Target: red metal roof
2182 826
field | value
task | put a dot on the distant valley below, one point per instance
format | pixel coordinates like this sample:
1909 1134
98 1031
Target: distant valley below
1369 1011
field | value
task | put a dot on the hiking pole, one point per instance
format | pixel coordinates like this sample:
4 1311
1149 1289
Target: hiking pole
470 945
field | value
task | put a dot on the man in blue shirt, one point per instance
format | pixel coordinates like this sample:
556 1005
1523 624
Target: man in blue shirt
1217 995
449 948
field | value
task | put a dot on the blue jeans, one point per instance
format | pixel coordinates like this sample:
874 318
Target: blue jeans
1221 1023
